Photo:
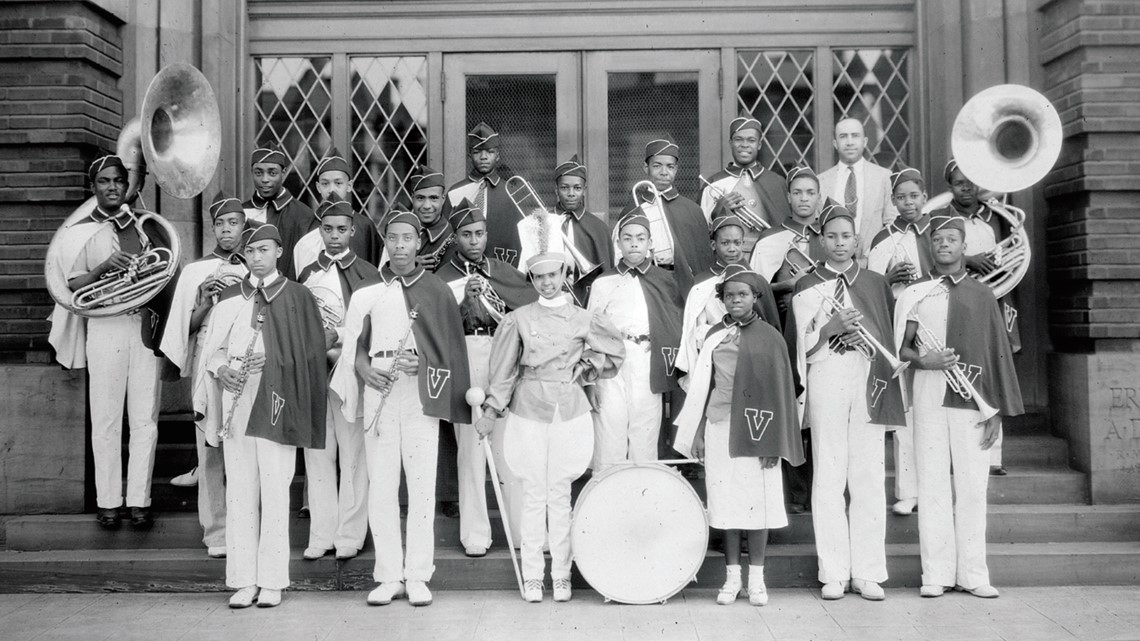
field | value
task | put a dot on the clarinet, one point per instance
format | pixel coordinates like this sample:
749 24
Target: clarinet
442 251
243 376
392 371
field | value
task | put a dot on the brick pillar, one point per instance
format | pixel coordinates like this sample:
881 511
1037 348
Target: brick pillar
1092 74
60 63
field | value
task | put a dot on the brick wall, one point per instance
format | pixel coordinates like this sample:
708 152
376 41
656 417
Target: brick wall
60 107
1092 75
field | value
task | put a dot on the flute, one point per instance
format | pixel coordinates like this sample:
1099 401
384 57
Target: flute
392 371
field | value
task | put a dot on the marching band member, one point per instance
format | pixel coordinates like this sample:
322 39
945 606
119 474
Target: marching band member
901 252
113 349
642 301
678 246
791 249
586 231
852 398
703 308
485 288
265 349
272 203
740 418
415 374
861 186
542 356
484 187
436 235
984 229
951 327
338 517
333 176
197 291
744 183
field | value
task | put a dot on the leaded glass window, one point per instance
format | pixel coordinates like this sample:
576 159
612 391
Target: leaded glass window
873 85
776 88
293 109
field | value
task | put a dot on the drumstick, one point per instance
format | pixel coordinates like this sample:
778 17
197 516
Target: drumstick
475 397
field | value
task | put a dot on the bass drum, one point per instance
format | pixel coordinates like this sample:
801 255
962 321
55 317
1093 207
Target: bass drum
640 533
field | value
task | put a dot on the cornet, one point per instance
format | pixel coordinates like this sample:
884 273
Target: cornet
750 217
520 191
956 378
869 345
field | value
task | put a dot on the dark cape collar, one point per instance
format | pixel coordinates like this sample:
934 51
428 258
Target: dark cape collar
270 291
754 169
280 201
638 270
121 218
493 178
407 280
849 275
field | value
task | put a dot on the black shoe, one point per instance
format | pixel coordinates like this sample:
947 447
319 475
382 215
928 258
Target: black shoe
796 508
450 509
141 518
303 513
997 470
108 518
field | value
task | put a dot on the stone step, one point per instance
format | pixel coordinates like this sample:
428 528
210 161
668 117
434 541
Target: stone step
1006 524
190 570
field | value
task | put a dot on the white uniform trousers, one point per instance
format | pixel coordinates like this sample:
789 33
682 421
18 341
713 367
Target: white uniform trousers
628 422
117 362
848 453
952 519
258 475
547 457
404 439
474 523
995 449
906 472
338 516
211 490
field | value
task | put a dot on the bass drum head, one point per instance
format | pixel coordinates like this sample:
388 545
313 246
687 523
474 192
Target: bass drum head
639 533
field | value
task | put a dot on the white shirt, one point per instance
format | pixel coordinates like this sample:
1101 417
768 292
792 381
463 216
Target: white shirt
841 187
621 297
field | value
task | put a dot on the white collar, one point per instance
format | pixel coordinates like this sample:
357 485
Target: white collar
268 280
857 167
557 301
340 255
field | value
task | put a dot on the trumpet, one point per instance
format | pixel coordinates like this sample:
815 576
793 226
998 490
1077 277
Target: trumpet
145 270
956 378
661 232
896 259
520 191
750 217
869 345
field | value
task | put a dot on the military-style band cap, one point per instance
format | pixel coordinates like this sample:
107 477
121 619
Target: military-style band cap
662 147
332 162
225 204
833 210
104 162
465 214
407 217
720 222
571 167
737 273
947 222
482 137
634 217
742 123
425 177
905 174
261 232
802 171
269 154
949 169
334 205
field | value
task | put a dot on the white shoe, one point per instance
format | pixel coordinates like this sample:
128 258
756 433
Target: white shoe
982 591
729 591
475 551
868 590
834 591
931 591
244 597
343 553
189 479
418 593
385 592
312 554
532 591
561 590
269 598
216 551
905 507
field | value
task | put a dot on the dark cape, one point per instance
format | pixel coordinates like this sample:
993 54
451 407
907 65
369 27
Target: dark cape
975 330
292 218
764 420
290 404
691 251
922 240
592 238
509 283
366 242
354 272
665 307
502 216
871 295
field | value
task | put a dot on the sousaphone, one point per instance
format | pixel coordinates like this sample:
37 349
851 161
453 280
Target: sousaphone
1005 139
178 138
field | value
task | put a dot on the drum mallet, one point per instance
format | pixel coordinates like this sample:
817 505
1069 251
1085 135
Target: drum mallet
475 397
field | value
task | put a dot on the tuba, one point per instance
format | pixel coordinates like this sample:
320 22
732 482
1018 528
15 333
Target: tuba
1005 139
178 137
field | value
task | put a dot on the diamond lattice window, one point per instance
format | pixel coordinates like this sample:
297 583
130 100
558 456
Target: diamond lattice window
388 125
873 85
776 88
293 110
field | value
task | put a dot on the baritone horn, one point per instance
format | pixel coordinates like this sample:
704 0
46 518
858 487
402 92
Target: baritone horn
1005 139
526 200
178 137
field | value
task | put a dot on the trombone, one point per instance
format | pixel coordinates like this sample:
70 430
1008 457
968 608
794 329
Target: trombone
750 217
869 345
662 243
520 191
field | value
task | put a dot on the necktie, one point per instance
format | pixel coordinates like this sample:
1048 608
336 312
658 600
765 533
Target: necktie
481 197
850 195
